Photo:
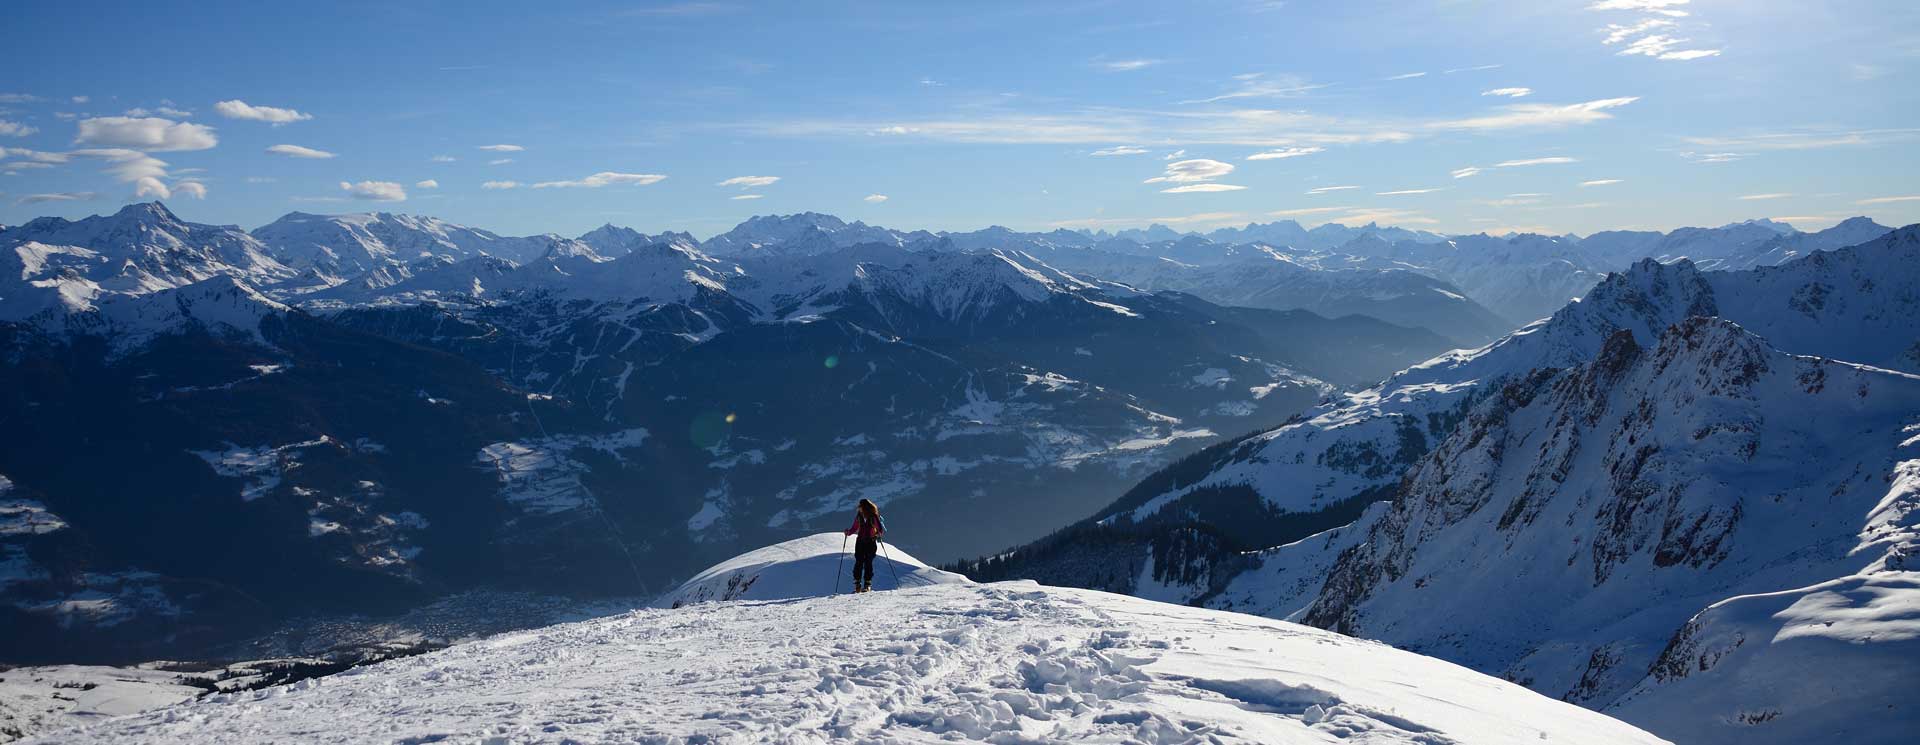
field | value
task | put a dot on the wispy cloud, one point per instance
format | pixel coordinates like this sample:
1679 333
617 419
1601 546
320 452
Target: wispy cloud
1124 65
1197 169
1406 76
1467 172
297 151
745 182
501 148
1404 192
499 161
444 159
1199 219
237 109
1326 189
1475 68
1648 37
427 184
1201 188
604 178
1508 92
1532 115
18 98
1305 211
498 185
378 191
1889 200
1601 182
1259 85
1713 157
746 196
1118 150
874 198
1548 161
1806 139
1773 195
1286 152
62 196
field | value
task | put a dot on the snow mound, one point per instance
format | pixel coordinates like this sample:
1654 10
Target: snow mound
802 568
1001 663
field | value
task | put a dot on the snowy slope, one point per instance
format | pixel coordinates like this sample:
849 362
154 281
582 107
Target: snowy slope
1012 662
341 247
1567 532
807 567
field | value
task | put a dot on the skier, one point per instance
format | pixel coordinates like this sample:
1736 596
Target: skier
869 527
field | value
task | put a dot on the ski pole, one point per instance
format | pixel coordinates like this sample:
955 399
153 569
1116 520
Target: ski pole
839 566
890 567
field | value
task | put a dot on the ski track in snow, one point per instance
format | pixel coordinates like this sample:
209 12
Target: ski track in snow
1003 663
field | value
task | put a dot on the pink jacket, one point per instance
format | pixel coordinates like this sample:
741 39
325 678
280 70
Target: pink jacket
864 529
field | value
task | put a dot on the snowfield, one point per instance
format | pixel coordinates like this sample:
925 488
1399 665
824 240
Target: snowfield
1008 662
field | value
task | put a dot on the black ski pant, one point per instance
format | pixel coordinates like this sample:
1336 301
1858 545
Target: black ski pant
863 550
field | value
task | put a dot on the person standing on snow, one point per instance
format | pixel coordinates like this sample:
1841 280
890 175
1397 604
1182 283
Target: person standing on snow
869 527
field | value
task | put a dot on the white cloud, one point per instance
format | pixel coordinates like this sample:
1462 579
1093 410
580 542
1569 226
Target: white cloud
1772 195
1125 65
1519 116
166 111
193 189
1403 192
64 196
1203 218
427 184
1384 215
151 134
1475 68
746 196
1661 46
1119 150
1617 33
1601 182
148 174
1713 157
1286 152
745 182
1407 76
296 151
1326 189
1175 155
1468 171
1555 160
379 191
82 99
1201 188
502 148
1508 92
499 161
18 98
605 178
16 129
500 185
238 109
1888 200
444 159
874 198
1197 169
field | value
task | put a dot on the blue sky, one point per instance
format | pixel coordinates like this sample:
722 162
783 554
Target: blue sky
1454 116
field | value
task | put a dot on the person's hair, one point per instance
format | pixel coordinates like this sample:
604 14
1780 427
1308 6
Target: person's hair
868 508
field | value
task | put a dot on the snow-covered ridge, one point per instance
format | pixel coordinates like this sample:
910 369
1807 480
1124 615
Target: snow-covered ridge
1010 662
814 566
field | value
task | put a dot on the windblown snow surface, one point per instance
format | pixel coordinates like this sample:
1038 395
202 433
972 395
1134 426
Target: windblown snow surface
1011 662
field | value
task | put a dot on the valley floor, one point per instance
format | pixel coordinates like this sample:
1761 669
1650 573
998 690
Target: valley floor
1006 662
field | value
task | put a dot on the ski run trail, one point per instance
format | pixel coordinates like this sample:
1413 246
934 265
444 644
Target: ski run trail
1011 662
